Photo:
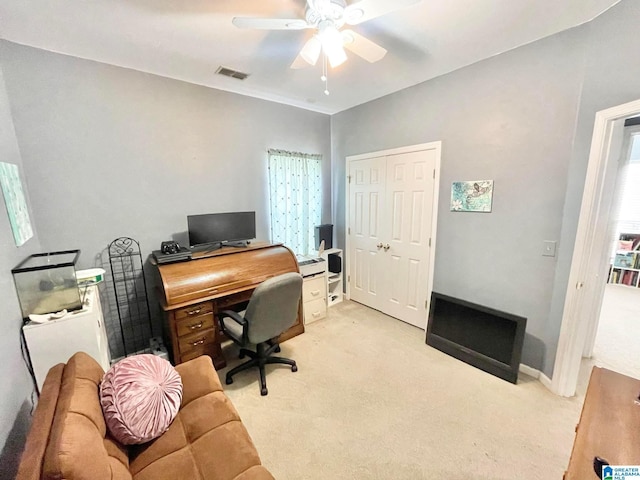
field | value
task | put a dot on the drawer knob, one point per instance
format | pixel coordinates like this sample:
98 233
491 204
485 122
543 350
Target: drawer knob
316 314
198 342
195 326
315 293
195 311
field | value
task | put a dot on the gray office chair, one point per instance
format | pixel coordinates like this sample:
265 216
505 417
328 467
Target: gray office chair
272 309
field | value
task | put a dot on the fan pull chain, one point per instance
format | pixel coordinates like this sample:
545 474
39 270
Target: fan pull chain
325 74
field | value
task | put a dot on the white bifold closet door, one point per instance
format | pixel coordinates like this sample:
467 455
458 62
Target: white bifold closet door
390 218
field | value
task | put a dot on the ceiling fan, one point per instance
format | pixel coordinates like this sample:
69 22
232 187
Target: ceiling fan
328 17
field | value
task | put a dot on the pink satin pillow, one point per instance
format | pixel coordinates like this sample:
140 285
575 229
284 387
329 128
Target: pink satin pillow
140 397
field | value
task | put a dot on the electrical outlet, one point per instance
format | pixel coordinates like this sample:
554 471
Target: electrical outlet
549 248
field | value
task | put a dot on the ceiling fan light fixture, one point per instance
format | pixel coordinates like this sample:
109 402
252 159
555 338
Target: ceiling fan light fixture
311 50
327 18
331 40
337 57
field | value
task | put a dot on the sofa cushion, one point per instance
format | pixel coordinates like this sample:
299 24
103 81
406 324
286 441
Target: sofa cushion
206 441
140 397
77 447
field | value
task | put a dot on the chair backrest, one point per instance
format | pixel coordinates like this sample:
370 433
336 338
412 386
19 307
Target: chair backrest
273 307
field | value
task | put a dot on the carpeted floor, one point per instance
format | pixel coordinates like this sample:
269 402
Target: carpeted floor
372 401
616 345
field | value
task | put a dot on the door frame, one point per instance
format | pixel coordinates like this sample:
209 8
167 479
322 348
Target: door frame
628 135
585 260
437 148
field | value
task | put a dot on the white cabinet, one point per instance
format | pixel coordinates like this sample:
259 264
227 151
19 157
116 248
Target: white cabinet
333 257
56 341
314 297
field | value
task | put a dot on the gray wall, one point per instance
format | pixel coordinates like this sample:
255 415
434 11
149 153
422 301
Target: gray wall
112 152
15 383
612 77
525 119
511 119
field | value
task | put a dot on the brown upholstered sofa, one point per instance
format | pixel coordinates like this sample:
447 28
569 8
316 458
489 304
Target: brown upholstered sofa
69 440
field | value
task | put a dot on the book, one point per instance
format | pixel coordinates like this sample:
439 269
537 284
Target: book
624 260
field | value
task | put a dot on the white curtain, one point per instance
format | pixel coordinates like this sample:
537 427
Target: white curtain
295 186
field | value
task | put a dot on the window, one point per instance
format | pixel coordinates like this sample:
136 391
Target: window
628 211
295 187
625 210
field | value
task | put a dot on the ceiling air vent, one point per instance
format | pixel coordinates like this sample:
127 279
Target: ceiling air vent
229 72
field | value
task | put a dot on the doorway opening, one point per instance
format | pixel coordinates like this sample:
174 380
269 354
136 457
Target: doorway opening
612 342
590 254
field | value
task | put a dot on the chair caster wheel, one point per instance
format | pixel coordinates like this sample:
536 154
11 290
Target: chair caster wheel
277 350
228 380
263 391
294 368
241 356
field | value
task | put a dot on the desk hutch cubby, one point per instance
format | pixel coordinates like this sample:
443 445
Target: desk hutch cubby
625 268
333 257
194 292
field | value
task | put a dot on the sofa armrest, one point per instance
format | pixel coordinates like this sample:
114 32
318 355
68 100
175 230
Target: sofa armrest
38 437
199 378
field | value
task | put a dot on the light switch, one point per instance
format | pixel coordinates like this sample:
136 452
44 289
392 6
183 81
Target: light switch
549 248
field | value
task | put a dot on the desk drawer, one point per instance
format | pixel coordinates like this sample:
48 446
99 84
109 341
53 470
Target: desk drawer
314 289
314 310
195 340
194 310
190 325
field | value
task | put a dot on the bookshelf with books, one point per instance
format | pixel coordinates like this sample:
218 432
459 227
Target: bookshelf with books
625 267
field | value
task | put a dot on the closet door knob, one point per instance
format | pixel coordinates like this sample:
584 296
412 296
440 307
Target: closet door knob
379 246
387 247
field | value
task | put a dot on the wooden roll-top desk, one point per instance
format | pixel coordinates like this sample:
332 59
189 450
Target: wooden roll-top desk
193 292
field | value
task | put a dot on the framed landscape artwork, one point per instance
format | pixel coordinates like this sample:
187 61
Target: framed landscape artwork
15 202
472 196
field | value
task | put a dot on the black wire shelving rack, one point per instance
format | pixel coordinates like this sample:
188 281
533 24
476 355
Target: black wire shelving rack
130 290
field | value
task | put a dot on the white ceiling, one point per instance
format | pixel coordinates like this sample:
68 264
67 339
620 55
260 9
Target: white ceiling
189 39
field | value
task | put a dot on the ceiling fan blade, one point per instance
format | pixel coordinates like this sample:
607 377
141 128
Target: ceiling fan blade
363 47
367 9
270 23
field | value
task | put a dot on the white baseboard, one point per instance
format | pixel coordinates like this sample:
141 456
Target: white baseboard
546 381
527 370
532 372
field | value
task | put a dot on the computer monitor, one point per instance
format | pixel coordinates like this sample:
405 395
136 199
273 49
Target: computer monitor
221 228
